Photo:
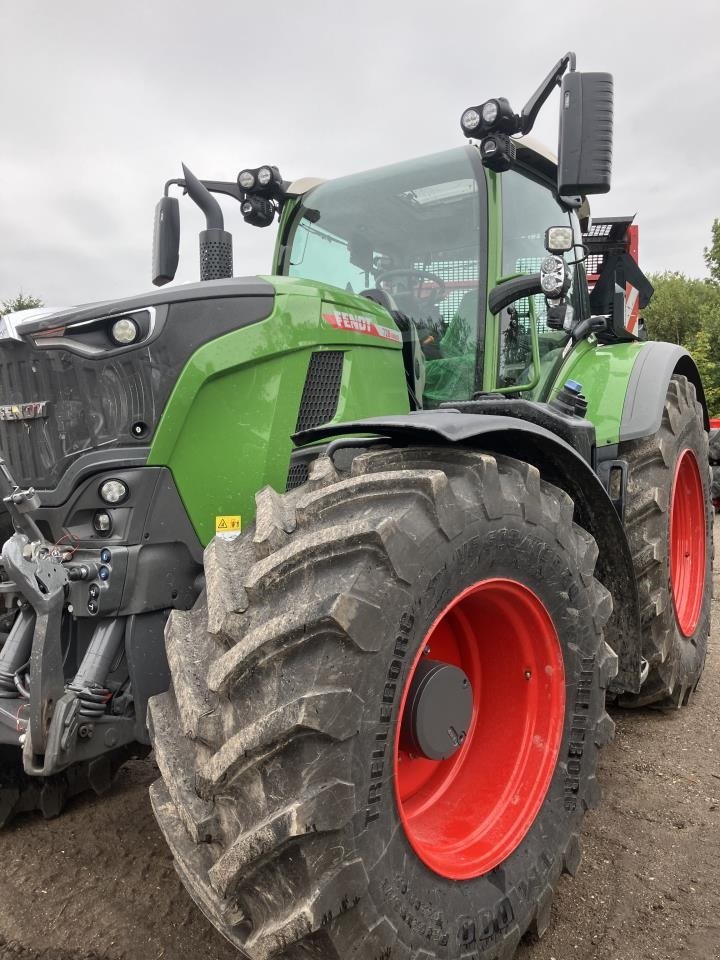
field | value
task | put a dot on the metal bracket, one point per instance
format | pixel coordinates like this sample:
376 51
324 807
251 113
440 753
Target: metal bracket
41 579
614 477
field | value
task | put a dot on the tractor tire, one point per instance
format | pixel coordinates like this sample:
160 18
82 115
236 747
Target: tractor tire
668 518
301 821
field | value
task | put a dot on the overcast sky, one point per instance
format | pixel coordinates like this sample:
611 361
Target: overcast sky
101 102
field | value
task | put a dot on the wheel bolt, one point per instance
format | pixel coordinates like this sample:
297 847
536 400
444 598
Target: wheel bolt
528 674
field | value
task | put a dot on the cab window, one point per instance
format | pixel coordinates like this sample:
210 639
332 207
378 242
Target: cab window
416 231
529 208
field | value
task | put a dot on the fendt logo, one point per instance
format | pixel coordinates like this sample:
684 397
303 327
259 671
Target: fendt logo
25 411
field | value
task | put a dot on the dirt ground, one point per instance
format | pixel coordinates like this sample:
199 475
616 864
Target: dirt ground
98 883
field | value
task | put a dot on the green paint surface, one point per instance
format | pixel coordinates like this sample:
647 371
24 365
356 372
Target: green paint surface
226 430
604 372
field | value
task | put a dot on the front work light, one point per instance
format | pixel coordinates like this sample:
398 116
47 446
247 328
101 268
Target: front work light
114 491
257 211
490 112
498 152
246 179
470 121
554 277
559 239
493 116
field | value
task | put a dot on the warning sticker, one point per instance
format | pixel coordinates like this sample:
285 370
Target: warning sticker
228 527
356 324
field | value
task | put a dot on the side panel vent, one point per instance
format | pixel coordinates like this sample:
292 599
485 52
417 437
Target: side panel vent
297 475
322 389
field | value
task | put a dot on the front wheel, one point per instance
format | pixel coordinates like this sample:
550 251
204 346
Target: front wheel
382 733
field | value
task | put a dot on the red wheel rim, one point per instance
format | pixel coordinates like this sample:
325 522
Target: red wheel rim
687 542
465 815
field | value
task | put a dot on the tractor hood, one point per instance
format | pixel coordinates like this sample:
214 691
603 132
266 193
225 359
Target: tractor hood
28 322
70 390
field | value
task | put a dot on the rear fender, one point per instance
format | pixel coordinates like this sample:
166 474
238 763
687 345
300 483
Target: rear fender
559 464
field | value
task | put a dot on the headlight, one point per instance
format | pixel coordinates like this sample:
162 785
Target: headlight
114 491
554 277
102 522
470 120
246 179
124 331
264 176
490 112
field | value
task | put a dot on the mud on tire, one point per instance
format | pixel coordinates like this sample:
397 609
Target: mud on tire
275 739
676 661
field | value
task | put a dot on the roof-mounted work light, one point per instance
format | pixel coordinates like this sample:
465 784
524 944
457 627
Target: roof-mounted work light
498 152
495 122
263 193
257 211
263 181
493 116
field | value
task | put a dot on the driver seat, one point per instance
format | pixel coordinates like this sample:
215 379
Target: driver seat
413 358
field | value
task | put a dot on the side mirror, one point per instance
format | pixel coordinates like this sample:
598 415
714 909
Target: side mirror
586 134
166 240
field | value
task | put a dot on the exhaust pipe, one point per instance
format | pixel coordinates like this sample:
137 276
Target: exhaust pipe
216 258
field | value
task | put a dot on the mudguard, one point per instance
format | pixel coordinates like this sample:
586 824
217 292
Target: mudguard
558 463
647 388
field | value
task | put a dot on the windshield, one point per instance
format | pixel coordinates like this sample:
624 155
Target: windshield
412 230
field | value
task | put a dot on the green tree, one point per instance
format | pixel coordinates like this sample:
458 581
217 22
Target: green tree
712 253
705 348
674 313
20 302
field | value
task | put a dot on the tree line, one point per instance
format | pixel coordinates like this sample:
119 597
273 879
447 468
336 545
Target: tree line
685 310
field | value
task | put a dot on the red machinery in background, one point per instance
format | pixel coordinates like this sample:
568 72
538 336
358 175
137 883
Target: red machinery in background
612 259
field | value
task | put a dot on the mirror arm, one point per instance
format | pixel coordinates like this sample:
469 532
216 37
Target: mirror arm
214 186
587 326
508 291
552 80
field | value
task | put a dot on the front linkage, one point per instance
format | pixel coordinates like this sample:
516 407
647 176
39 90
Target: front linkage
58 722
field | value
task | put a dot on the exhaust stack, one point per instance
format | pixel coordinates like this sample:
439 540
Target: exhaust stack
216 258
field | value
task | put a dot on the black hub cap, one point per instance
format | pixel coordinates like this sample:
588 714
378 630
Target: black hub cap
438 711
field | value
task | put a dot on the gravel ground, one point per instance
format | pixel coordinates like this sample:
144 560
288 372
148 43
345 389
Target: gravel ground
98 883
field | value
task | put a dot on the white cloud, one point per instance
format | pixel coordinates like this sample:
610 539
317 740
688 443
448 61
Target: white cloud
101 103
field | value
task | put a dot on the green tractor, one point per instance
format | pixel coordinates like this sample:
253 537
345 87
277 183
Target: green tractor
361 548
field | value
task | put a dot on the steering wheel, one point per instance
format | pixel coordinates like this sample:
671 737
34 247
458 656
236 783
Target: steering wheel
436 294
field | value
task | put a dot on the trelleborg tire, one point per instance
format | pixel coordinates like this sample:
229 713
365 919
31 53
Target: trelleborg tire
279 742
669 526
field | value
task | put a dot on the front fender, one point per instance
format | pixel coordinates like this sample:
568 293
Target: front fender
559 464
647 388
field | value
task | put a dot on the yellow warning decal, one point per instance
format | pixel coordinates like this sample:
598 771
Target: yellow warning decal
228 524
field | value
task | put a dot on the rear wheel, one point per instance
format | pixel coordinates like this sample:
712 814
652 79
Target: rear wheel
669 526
382 731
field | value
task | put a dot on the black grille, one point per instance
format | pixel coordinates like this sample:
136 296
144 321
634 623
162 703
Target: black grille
91 404
297 475
322 389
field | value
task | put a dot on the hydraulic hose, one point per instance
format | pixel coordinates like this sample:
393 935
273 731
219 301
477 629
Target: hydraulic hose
16 651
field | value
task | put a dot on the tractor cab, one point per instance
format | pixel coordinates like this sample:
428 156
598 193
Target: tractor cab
429 239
